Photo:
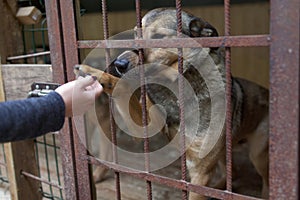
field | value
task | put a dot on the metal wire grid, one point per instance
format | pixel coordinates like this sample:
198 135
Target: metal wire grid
3 170
71 46
49 166
148 176
47 148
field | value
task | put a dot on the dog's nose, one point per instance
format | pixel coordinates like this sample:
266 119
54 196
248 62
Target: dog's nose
121 65
118 67
77 67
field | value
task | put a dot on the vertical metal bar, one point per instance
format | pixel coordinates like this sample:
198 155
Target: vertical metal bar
284 100
33 42
47 163
56 164
69 26
181 99
112 122
143 96
43 39
228 100
57 60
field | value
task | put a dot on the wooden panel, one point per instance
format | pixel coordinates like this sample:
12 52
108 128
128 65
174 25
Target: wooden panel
17 80
10 30
20 156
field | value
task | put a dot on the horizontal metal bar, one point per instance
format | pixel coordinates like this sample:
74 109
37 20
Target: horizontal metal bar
28 55
226 41
179 184
41 180
47 144
26 65
35 30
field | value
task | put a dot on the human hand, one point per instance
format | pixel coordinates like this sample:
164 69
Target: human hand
79 95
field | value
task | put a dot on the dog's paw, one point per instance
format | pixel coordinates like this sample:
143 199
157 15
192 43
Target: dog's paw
107 81
82 70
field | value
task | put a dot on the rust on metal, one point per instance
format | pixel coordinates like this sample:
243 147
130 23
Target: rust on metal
28 56
181 99
284 100
284 97
228 100
226 41
59 76
179 184
41 180
112 122
143 96
67 11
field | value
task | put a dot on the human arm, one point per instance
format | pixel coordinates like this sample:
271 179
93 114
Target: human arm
29 118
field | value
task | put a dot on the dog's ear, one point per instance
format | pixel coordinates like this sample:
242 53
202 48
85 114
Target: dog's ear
201 28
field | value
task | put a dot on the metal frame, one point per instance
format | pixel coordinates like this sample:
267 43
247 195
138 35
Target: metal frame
283 41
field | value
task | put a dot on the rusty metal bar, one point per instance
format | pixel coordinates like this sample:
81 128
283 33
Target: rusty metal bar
68 21
179 184
284 100
228 100
181 99
112 122
41 180
59 76
28 56
143 96
227 41
105 30
26 65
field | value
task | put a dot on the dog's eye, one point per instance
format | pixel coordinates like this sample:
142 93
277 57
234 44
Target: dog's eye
158 36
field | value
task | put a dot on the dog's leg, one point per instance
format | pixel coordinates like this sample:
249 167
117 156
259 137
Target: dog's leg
200 178
99 134
202 170
258 150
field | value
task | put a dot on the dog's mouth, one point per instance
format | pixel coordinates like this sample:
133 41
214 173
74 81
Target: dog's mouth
79 72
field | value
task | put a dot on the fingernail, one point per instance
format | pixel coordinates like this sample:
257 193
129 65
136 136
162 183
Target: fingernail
94 77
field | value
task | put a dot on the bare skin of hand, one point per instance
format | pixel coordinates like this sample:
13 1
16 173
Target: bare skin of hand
79 95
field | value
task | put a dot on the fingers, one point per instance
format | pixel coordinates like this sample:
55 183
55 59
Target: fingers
90 86
98 89
86 81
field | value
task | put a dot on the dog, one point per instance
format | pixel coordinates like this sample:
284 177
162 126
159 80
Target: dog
249 100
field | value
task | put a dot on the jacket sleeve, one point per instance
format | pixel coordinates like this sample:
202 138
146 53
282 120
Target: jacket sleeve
29 118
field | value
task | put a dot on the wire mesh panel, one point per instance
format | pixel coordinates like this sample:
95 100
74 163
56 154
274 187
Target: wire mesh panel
184 182
34 66
3 171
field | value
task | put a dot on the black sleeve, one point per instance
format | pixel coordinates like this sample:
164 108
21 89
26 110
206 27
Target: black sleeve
29 118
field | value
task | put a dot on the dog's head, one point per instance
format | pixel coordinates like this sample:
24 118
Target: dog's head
161 23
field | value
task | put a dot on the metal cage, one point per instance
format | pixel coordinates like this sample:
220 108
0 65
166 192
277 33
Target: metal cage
283 42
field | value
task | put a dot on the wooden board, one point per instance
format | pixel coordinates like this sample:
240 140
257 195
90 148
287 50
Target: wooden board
18 79
20 156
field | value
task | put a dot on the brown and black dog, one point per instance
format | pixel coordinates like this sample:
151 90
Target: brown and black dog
249 101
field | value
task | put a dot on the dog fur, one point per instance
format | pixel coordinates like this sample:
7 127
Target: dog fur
249 100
